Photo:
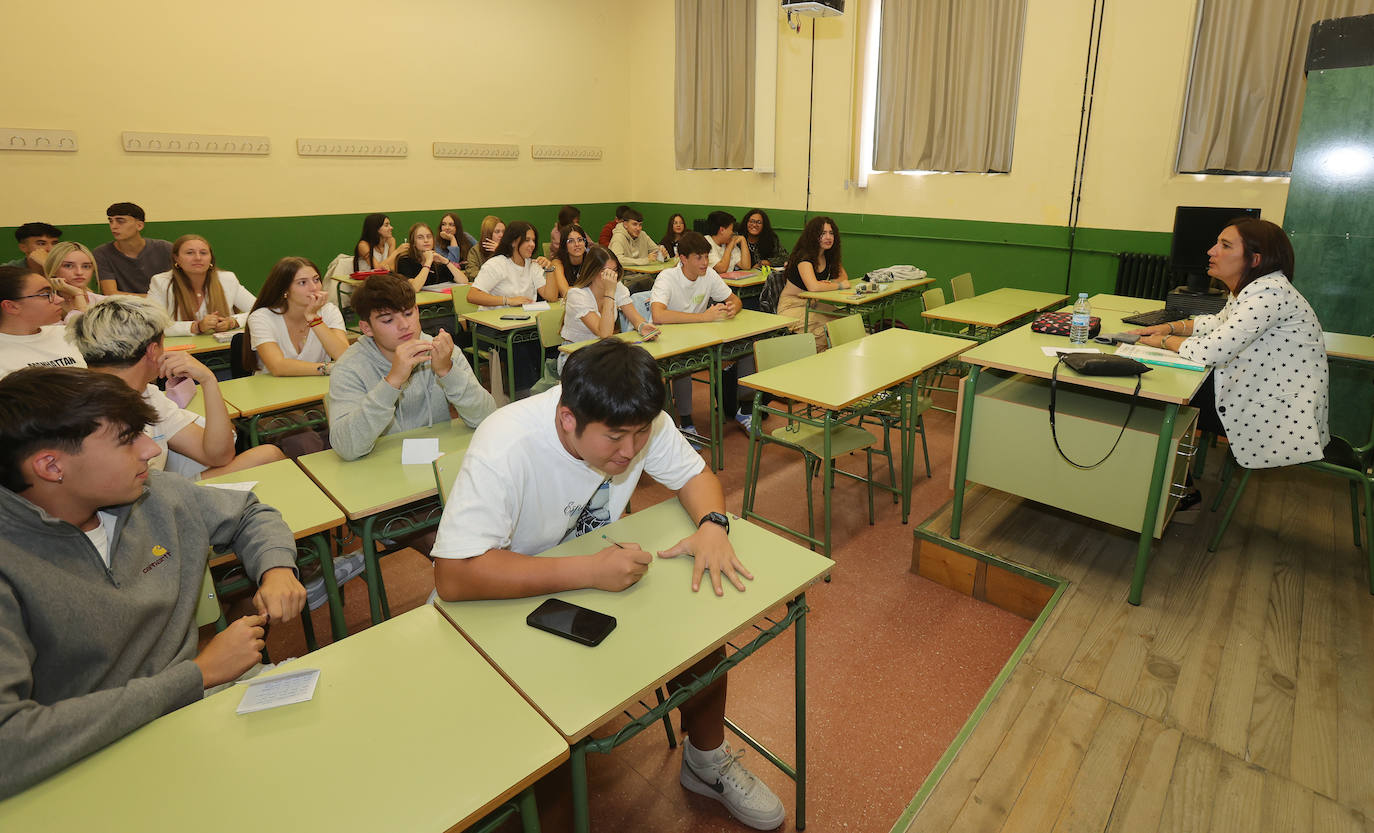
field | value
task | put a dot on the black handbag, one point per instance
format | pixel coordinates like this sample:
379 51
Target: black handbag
1096 364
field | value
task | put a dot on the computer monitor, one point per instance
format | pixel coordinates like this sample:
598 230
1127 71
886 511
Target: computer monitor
1195 231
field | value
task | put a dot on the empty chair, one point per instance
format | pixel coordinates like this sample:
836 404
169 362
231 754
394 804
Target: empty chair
962 285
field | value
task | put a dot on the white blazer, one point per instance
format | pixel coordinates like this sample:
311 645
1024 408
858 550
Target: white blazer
1269 357
240 300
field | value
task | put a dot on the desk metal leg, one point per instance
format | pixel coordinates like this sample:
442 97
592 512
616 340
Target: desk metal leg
751 462
529 811
961 461
827 476
799 680
372 569
337 627
717 386
509 357
1147 528
582 822
906 405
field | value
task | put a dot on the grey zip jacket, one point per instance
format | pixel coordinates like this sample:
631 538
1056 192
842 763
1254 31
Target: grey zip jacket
89 653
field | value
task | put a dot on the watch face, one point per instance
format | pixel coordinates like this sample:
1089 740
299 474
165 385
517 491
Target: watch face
716 518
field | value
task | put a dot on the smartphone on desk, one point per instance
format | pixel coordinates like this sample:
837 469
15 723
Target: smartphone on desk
515 318
571 621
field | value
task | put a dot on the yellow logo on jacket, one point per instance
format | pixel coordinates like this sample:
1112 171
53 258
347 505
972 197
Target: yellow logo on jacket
159 551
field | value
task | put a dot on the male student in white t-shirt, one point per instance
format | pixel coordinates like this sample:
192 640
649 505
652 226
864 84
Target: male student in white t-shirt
565 462
729 251
691 293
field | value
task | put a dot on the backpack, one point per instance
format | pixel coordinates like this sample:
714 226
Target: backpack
772 290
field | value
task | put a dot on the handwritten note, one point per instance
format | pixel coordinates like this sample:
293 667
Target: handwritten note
420 451
278 690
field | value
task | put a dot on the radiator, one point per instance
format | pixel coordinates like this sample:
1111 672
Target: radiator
1143 276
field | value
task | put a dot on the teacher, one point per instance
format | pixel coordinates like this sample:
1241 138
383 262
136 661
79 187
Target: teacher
1268 393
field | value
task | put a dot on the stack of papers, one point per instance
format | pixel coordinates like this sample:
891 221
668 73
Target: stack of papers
1157 356
227 336
536 306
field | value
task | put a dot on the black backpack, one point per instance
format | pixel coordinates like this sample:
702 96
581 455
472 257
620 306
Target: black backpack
772 290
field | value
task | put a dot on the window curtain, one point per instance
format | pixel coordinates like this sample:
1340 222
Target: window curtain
947 80
714 101
1245 90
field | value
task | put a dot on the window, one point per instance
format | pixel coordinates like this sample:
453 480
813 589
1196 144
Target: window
714 80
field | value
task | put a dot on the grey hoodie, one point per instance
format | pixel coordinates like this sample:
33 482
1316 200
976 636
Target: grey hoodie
89 653
364 406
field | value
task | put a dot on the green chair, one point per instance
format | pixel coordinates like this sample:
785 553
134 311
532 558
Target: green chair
845 329
550 323
808 440
930 299
962 286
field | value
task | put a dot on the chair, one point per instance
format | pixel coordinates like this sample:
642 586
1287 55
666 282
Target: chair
962 286
931 299
461 306
445 473
851 328
550 323
236 368
808 440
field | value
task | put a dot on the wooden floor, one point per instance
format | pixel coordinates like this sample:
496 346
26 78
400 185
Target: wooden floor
1238 696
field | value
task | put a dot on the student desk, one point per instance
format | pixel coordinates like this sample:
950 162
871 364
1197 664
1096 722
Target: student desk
662 628
746 286
264 397
876 307
690 348
1349 347
197 404
1004 440
488 330
641 277
214 354
437 738
425 299
990 314
370 489
1123 303
308 512
837 381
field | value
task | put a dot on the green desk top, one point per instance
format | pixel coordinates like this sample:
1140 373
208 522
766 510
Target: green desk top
847 296
264 392
197 403
282 485
651 268
1019 352
422 297
198 344
491 318
754 278
379 482
662 627
1035 299
845 374
676 339
981 311
364 754
1356 348
1123 303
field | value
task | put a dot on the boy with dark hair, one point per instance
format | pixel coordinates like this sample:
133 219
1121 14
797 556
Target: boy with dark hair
35 241
691 293
128 262
565 462
102 572
729 251
607 230
396 377
631 245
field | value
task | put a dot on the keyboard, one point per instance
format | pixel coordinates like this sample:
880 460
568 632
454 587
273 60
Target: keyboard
1153 317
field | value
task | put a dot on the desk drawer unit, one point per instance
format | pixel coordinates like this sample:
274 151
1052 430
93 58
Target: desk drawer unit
1012 450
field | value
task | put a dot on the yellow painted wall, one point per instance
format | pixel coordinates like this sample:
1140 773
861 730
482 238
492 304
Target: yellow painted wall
522 71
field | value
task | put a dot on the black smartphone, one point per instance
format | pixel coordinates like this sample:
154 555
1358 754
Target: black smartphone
515 318
571 621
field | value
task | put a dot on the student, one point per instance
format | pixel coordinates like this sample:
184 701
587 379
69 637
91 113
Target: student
761 240
453 242
70 268
813 266
373 249
689 293
568 265
632 245
418 261
607 230
396 377
596 297
565 462
122 336
513 275
569 215
676 226
128 262
93 648
35 241
200 297
30 334
492 230
293 329
728 251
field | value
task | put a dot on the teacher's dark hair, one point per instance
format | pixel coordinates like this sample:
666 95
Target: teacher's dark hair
1263 238
59 407
612 382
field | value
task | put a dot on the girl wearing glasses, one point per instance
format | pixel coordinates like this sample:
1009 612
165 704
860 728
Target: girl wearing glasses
71 269
420 263
567 266
30 334
595 299
200 297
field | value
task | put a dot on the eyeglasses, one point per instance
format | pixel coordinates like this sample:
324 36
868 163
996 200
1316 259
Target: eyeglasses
46 295
572 240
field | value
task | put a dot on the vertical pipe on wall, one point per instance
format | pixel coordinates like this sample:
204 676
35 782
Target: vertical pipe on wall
810 123
1085 119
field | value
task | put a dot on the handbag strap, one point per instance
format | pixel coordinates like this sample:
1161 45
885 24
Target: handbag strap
1054 380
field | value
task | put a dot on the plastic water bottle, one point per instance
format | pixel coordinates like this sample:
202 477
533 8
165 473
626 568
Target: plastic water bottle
1082 314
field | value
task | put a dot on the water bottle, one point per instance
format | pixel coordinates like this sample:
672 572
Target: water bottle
1082 313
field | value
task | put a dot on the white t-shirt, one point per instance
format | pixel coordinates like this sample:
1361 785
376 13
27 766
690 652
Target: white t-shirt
170 420
582 300
718 252
501 277
675 292
240 300
48 348
101 534
519 488
265 326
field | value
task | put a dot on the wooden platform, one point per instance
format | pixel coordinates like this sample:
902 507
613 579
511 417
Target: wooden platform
1238 696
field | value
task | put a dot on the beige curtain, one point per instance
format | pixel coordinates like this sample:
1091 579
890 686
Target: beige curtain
1245 91
714 101
947 79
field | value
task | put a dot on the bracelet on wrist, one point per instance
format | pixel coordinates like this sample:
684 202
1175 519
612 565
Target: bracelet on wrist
1171 327
315 321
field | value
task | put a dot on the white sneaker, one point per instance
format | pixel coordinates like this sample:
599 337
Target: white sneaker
746 421
726 780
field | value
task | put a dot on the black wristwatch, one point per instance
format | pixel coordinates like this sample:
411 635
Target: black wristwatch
715 518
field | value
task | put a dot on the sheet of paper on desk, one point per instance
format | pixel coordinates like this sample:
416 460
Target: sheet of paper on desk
420 451
244 486
278 690
446 286
1156 355
227 336
1054 351
536 306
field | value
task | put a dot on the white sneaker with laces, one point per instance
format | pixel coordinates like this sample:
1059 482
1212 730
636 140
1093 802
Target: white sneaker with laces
728 781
